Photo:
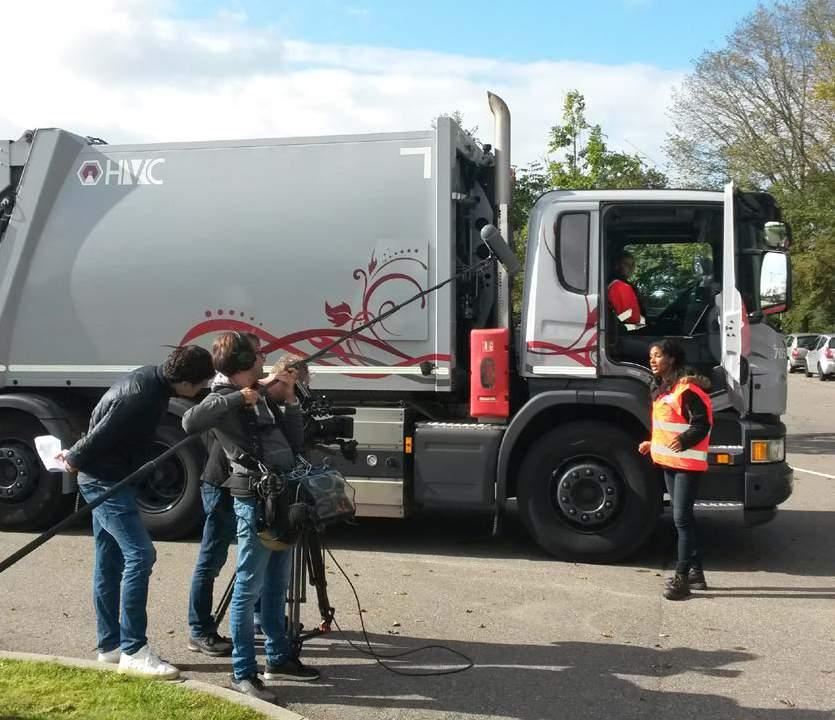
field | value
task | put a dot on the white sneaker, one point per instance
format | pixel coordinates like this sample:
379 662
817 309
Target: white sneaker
145 663
111 657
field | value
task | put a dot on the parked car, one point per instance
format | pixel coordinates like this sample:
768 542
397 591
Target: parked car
796 348
821 358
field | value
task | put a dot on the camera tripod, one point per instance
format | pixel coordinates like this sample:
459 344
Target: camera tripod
307 565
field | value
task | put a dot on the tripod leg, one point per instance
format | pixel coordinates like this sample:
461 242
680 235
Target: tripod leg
223 605
318 578
296 595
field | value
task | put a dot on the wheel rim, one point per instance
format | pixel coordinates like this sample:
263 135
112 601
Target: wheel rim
19 471
165 486
587 493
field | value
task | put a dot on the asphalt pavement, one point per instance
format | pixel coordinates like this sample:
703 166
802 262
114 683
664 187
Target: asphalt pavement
548 639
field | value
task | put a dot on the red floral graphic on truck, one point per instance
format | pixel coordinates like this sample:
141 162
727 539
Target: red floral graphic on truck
583 350
366 349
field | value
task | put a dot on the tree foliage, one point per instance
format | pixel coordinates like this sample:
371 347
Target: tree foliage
583 160
577 158
761 111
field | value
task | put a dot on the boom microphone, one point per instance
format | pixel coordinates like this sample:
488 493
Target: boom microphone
491 237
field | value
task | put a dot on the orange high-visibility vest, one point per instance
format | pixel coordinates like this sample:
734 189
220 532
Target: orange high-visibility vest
668 422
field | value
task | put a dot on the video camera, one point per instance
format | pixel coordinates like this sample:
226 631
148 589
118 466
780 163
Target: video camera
325 424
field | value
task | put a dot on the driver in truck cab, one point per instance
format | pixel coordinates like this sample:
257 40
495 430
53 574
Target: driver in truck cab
622 295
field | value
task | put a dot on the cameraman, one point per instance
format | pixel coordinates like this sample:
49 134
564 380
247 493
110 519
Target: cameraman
219 530
247 422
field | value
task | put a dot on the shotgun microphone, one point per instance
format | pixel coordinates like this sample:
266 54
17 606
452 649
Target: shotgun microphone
491 237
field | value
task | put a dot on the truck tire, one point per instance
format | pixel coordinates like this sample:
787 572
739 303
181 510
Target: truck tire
31 498
169 499
585 494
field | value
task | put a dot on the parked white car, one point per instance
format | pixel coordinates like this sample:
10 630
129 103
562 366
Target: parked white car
796 348
820 359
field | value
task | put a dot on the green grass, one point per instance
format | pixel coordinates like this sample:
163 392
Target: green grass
43 691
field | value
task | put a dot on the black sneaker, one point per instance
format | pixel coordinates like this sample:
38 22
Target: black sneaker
678 588
254 687
212 645
291 669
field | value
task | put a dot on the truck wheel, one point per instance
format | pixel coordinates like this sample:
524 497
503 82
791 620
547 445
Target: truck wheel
585 494
169 499
30 497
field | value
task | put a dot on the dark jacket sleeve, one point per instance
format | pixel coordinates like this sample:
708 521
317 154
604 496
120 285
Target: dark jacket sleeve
114 424
209 413
695 412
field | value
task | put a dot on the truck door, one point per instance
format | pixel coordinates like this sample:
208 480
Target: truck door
732 309
560 315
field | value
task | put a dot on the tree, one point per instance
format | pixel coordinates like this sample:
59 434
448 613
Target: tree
587 162
761 111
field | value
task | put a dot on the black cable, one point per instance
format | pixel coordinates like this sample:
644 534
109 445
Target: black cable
380 658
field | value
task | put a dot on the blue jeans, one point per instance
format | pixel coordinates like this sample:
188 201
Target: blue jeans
682 487
259 572
218 533
124 558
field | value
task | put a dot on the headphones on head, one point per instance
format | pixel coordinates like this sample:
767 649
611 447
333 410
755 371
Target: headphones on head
243 356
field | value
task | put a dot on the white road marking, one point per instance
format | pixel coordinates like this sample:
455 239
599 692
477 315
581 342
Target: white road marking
812 472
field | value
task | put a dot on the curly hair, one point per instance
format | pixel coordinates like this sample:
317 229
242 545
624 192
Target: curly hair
190 363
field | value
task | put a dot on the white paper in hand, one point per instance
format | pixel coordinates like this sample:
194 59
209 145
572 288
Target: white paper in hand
48 446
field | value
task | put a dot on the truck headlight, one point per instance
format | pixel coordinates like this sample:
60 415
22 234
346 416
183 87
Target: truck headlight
768 451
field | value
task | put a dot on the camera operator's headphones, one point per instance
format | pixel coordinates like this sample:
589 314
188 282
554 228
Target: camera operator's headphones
243 357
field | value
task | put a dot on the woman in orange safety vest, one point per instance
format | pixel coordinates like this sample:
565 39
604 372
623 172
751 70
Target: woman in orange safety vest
682 417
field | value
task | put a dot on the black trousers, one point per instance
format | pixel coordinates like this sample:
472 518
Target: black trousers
682 487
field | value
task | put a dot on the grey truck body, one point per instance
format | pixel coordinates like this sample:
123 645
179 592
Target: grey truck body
115 251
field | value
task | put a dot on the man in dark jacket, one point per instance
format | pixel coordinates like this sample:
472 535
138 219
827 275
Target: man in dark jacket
247 423
122 426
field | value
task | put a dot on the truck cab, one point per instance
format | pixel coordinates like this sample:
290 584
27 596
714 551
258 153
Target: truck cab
710 267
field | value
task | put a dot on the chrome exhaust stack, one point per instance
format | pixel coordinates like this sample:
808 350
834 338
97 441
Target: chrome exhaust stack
501 148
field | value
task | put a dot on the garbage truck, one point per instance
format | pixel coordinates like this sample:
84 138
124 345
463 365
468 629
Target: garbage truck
110 254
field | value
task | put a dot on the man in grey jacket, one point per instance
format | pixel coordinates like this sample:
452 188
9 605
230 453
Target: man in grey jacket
246 422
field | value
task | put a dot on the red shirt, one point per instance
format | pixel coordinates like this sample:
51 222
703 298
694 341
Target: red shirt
624 300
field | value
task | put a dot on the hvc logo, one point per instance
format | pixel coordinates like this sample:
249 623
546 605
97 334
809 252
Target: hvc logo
132 171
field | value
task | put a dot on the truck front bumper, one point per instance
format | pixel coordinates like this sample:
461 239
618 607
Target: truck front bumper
768 485
756 489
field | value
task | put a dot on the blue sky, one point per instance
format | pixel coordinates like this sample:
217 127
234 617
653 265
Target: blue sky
666 33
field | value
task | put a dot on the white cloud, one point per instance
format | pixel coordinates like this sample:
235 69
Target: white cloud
130 71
